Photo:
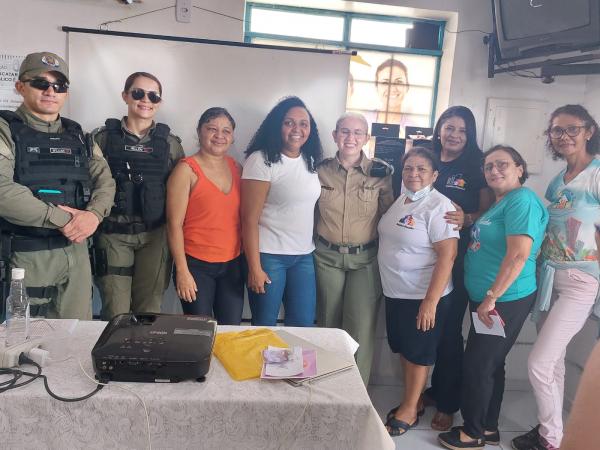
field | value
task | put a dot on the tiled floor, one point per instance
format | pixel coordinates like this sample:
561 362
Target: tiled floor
518 415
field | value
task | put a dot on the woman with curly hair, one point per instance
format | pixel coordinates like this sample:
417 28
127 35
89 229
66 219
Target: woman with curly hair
569 267
280 188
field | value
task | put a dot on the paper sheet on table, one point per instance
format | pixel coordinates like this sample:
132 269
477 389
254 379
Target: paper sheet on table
481 328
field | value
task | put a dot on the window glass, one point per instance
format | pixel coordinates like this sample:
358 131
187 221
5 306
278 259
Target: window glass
377 32
287 23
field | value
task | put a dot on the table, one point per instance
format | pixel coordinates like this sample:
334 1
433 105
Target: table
218 414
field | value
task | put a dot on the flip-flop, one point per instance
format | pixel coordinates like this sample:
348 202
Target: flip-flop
393 411
399 427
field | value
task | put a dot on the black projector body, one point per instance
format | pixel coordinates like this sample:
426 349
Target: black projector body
154 348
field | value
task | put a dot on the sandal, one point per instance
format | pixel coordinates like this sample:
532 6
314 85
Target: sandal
444 424
392 411
399 427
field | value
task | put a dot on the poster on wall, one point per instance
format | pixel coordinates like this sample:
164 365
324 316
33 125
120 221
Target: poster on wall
392 88
9 74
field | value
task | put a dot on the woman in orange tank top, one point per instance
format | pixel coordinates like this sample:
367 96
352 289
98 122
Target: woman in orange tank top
203 224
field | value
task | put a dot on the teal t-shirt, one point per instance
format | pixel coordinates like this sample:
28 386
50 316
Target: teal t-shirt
519 212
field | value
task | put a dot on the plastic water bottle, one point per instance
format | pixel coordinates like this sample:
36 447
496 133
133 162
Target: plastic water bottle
17 310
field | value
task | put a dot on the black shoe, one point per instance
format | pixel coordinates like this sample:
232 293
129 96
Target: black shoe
493 438
527 441
451 440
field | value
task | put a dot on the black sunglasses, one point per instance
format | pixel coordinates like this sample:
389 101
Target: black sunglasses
138 94
42 84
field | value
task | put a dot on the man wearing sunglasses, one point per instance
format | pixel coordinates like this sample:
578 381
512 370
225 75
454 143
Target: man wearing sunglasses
55 188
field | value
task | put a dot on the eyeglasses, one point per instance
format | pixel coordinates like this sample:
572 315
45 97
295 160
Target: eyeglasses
500 165
572 131
138 94
345 132
42 84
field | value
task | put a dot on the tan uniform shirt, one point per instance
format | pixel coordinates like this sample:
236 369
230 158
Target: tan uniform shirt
351 202
18 205
176 152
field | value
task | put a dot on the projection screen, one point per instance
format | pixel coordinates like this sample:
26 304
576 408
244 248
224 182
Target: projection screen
248 81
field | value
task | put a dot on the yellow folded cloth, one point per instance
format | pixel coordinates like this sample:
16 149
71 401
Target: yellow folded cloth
240 352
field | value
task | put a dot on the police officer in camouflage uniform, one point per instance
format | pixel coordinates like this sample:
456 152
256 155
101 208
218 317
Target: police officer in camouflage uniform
55 189
133 263
355 192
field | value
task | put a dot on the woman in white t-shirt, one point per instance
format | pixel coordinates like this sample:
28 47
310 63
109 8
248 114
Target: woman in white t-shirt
417 248
280 188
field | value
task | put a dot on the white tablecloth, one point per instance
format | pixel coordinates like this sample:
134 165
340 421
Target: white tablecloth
217 414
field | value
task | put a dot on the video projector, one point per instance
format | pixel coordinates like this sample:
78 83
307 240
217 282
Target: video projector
154 348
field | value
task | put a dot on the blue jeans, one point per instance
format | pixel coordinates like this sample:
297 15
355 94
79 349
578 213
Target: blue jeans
294 276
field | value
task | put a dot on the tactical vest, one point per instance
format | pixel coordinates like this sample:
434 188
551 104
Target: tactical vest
140 171
54 166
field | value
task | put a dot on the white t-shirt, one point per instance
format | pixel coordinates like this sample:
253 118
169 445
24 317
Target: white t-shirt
406 236
286 224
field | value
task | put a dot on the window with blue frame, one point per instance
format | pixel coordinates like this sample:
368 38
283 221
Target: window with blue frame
393 77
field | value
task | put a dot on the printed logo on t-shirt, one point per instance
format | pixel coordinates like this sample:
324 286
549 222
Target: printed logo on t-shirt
475 244
456 181
407 221
564 200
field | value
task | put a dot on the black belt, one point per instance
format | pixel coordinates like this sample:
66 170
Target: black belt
35 244
347 249
109 227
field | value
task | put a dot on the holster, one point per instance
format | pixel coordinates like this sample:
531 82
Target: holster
98 260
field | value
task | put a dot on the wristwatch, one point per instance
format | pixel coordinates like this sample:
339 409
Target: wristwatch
491 294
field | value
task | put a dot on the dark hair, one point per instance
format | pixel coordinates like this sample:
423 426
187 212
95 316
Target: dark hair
390 63
471 130
423 152
268 136
135 75
515 156
213 113
592 146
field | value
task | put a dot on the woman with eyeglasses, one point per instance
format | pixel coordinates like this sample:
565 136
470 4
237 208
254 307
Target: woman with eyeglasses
462 181
355 192
416 251
132 259
569 266
500 278
280 188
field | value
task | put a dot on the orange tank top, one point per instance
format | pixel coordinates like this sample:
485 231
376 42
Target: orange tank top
212 227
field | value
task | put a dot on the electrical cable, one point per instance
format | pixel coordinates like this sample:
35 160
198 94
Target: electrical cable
466 31
131 391
218 13
308 403
104 25
25 360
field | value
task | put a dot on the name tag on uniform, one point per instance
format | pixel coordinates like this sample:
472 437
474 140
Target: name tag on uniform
61 151
138 149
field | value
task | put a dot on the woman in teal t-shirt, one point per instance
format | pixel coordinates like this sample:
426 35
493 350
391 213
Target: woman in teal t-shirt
500 279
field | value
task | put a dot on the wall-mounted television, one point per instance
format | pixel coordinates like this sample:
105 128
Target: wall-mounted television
530 28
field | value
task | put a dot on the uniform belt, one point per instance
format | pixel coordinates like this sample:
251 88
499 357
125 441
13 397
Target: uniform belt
347 249
109 227
35 244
